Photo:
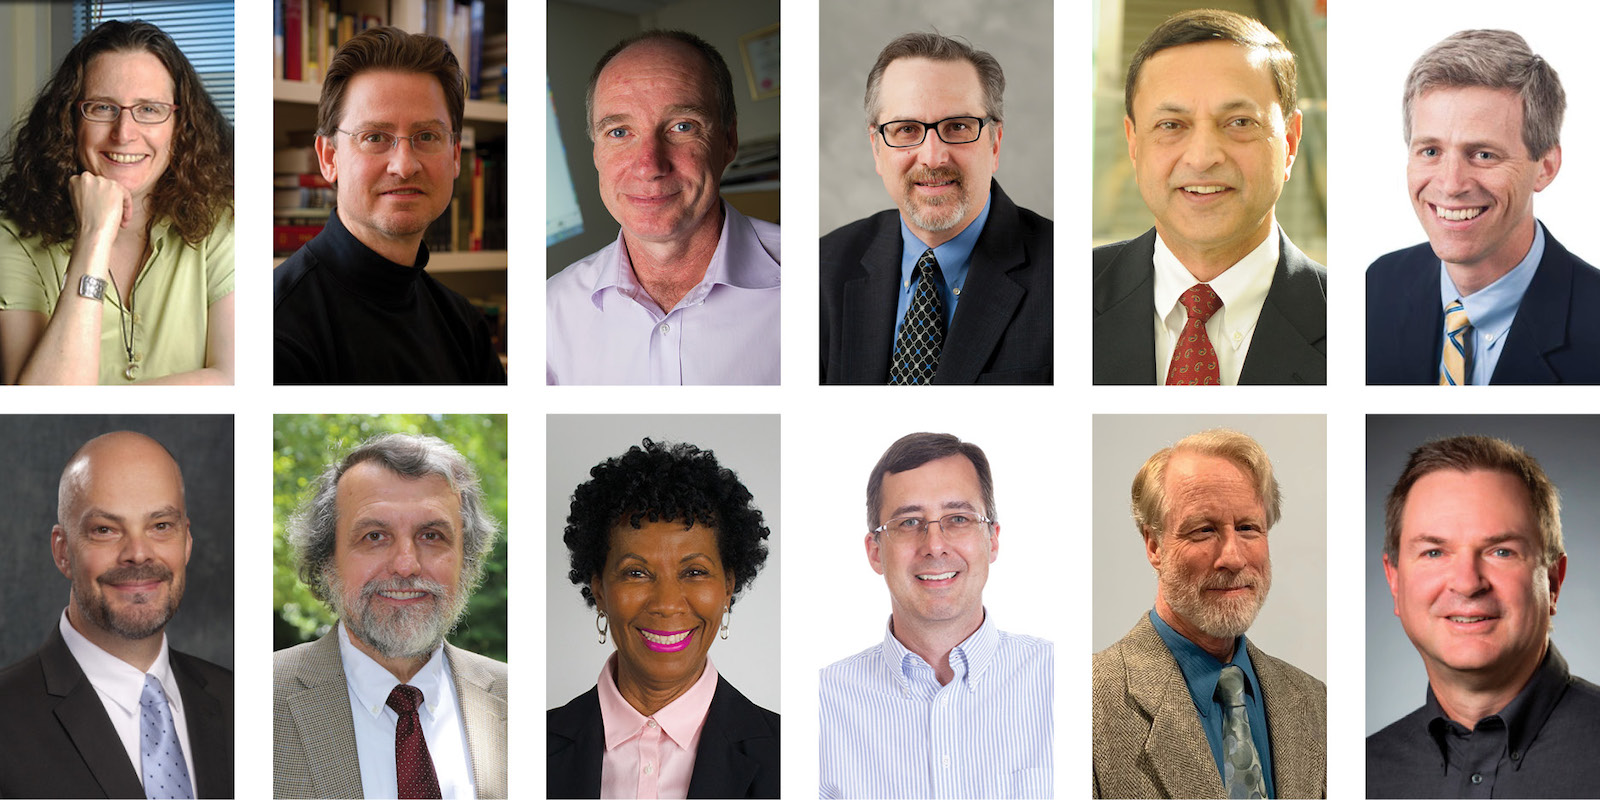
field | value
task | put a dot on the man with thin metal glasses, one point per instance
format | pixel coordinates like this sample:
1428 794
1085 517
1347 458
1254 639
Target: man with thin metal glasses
947 705
355 304
954 286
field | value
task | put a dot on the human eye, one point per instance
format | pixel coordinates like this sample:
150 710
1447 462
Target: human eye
615 133
1433 552
959 520
1484 155
1428 152
685 126
634 572
428 137
150 109
100 107
372 536
372 137
102 531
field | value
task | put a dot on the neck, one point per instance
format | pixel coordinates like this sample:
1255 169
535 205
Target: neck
646 696
1220 648
932 642
669 269
138 653
403 668
1205 263
401 250
1467 697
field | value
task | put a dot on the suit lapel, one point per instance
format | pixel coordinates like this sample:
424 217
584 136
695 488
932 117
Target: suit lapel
1421 332
1295 739
575 748
1176 749
484 716
84 719
210 733
1541 323
720 768
869 308
989 298
1293 322
1124 328
321 713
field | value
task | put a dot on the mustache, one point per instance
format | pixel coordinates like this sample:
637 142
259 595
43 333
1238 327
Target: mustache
1232 580
137 573
927 175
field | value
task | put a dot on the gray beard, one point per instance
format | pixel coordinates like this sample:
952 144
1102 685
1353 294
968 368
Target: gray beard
1222 619
398 633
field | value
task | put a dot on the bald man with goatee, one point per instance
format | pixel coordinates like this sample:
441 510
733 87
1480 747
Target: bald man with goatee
105 708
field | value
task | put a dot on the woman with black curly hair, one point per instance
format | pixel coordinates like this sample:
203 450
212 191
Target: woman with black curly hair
116 248
662 540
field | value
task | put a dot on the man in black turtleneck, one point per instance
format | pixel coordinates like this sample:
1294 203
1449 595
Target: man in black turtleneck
355 304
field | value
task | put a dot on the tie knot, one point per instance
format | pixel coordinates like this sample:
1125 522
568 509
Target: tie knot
404 699
153 694
927 264
1230 686
1455 315
1200 301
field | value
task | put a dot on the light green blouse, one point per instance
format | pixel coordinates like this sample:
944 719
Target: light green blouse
171 297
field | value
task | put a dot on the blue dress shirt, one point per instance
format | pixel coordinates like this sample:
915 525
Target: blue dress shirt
1492 308
889 729
954 257
1200 671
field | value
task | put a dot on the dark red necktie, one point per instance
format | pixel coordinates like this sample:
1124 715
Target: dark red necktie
413 766
1194 360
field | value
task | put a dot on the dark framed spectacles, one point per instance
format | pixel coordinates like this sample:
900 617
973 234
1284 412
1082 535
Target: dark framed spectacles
950 130
143 113
955 525
377 143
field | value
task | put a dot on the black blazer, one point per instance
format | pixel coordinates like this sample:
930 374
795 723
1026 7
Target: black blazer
56 740
738 754
1003 329
1552 340
1290 345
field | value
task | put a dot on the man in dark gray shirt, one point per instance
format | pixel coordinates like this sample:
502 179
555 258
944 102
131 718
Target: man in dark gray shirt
1475 562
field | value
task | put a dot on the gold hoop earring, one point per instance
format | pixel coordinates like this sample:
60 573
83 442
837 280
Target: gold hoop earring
600 625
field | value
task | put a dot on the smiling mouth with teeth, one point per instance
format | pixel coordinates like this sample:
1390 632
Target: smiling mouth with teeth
665 638
401 595
1468 619
939 576
1204 189
125 158
1457 214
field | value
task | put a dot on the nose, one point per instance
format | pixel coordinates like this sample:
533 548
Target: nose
1466 576
1204 148
1451 176
403 560
1231 556
122 128
403 161
135 548
651 158
933 152
666 596
934 543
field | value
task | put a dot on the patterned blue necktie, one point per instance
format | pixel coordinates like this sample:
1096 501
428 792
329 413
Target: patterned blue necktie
921 339
165 774
1241 764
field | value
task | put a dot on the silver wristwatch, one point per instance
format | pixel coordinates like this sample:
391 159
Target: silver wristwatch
91 287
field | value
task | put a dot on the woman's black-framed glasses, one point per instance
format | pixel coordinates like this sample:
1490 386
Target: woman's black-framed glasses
143 113
950 130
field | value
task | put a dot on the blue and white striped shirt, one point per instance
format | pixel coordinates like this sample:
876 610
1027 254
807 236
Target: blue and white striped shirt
890 730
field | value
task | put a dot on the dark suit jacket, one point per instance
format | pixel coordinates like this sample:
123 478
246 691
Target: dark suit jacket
738 754
1003 327
1552 340
56 740
1290 344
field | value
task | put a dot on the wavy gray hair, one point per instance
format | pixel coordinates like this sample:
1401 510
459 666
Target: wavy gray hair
312 529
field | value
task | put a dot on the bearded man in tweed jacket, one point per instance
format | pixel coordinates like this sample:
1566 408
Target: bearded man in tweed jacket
393 538
1184 706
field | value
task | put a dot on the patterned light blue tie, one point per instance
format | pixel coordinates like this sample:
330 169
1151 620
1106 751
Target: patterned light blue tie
1241 764
165 774
921 339
1456 369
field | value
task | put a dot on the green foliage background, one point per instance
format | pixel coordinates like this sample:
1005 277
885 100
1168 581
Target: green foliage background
304 444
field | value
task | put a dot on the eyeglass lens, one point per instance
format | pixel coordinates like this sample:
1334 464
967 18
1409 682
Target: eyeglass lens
910 132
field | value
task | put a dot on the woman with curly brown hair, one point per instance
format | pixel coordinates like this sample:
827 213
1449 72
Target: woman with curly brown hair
119 178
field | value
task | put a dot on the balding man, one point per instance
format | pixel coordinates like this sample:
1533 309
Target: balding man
105 708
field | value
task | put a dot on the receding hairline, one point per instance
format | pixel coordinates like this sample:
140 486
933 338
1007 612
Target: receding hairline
75 473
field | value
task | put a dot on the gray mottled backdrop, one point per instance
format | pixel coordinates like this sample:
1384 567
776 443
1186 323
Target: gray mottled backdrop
1565 446
1018 34
37 447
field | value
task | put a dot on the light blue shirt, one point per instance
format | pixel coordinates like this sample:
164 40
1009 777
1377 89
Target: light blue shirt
1200 671
1492 308
954 257
889 729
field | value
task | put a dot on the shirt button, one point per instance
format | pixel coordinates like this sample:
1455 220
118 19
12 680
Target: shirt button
944 701
651 723
1516 755
947 760
1477 778
664 328
1237 336
649 768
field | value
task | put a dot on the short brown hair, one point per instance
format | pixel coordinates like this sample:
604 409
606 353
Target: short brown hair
1495 60
936 47
1149 496
390 48
721 78
1474 453
915 449
1212 25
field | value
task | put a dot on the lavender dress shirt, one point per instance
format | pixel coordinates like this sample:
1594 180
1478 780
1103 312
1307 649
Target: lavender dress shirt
601 327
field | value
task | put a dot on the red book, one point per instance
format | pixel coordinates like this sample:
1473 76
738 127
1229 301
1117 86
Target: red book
293 25
289 238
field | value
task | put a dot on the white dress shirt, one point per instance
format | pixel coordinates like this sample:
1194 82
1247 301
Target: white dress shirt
1243 290
120 686
370 684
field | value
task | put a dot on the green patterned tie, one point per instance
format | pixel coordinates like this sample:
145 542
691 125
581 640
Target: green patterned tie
1241 764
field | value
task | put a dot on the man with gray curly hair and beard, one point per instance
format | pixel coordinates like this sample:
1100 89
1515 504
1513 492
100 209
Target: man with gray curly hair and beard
393 538
1185 705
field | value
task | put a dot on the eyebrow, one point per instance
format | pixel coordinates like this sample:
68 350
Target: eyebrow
374 125
374 522
1430 539
958 505
1170 107
1434 141
164 512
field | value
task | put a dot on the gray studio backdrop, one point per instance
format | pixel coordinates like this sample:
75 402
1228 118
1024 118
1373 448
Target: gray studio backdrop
1565 446
1018 34
1293 622
37 447
748 445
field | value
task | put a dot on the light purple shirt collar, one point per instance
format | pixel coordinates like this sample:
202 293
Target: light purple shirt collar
739 261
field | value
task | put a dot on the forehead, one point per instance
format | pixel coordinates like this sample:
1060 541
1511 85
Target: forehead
370 489
923 88
1475 113
1198 482
138 72
393 98
657 72
1197 76
952 479
666 541
130 481
1449 503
